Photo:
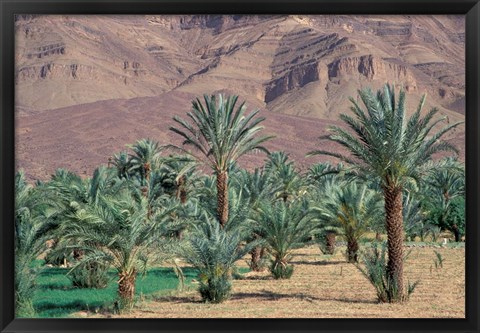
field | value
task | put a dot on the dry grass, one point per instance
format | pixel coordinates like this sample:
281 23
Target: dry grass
327 287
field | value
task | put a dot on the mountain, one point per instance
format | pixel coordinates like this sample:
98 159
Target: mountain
88 85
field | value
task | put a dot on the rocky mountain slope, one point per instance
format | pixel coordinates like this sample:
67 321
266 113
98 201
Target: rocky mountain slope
88 85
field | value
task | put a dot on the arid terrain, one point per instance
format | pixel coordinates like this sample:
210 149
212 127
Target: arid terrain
88 85
325 287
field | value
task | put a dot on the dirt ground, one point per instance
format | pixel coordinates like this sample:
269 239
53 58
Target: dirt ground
325 287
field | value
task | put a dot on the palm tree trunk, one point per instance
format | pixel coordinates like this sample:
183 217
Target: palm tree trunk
222 197
456 232
126 289
352 250
181 193
255 263
394 226
330 242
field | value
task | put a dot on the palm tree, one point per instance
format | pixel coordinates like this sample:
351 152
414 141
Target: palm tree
116 230
213 251
145 158
386 145
445 182
258 188
180 175
353 209
122 163
285 180
69 193
32 230
283 227
222 134
319 177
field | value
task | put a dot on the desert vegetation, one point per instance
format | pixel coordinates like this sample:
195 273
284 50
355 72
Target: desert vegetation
192 210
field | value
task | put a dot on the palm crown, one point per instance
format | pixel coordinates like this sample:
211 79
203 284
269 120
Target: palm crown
384 142
222 134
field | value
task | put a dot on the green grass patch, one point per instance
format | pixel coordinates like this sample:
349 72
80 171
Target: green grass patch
56 297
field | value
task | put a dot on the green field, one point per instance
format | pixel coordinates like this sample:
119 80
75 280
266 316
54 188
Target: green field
56 297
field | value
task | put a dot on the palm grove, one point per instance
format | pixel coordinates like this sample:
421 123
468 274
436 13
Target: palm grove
152 203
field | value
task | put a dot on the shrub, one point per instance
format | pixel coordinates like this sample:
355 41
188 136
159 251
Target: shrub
375 271
281 270
89 275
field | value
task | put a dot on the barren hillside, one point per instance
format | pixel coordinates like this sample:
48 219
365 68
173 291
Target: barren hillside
88 85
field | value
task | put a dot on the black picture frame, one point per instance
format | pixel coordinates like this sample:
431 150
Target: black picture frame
469 8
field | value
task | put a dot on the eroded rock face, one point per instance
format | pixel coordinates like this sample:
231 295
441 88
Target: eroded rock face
269 59
371 68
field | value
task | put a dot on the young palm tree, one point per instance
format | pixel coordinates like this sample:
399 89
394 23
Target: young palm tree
116 230
386 145
283 227
319 177
32 230
222 134
258 188
214 250
353 209
445 182
68 193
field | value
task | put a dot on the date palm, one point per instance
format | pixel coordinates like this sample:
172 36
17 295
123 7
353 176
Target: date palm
67 193
117 230
285 180
353 209
179 172
283 226
222 134
145 158
32 229
384 143
214 250
445 181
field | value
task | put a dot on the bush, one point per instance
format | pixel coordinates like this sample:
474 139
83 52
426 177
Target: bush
215 289
375 271
280 271
89 275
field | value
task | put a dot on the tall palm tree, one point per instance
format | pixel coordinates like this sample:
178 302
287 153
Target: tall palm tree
353 209
145 158
385 144
179 172
222 134
286 181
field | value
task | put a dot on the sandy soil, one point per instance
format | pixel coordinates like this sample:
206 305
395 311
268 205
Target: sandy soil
325 287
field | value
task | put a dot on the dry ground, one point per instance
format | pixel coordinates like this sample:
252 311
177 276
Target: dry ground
326 287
